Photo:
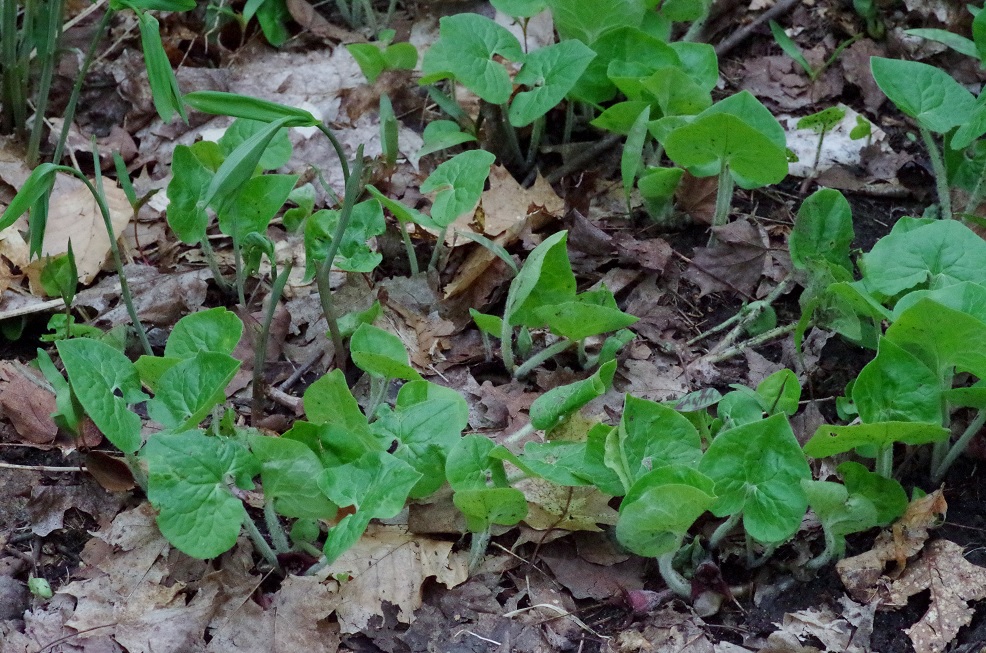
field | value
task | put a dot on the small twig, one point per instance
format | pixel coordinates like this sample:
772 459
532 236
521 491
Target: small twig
740 35
578 161
301 371
43 468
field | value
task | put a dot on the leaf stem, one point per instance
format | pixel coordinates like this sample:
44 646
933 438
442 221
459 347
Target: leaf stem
723 530
542 356
412 259
263 548
724 199
439 245
956 450
477 549
938 167
885 461
274 527
213 263
260 347
340 152
128 299
675 581
323 270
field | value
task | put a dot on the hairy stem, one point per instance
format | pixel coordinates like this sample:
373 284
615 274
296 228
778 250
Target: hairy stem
956 450
260 347
543 355
938 167
263 548
675 581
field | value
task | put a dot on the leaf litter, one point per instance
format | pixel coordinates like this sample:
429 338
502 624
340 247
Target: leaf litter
130 590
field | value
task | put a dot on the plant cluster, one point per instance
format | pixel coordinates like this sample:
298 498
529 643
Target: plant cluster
918 301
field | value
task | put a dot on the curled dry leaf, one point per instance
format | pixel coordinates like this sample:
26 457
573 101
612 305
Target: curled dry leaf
863 574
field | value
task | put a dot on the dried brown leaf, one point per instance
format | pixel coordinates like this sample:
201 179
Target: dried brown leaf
953 581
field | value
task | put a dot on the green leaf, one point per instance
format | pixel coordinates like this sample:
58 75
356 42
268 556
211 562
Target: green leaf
960 44
220 103
620 117
657 186
631 159
440 135
377 485
699 60
830 440
474 40
241 163
369 57
273 16
676 93
682 11
287 468
276 154
551 72
897 387
757 469
459 184
520 8
941 337
979 35
105 383
186 214
216 330
927 94
403 213
714 140
562 463
188 391
152 368
662 505
251 209
160 75
545 279
489 324
381 354
821 122
839 512
822 230
484 507
626 44
933 255
428 421
583 317
469 466
329 401
188 483
36 188
780 393
68 412
887 495
60 276
790 48
353 253
560 402
965 296
576 19
649 436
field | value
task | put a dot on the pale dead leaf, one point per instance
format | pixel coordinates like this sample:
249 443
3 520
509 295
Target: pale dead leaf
49 503
75 216
388 564
13 258
953 581
863 574
565 508
27 402
696 196
507 203
835 633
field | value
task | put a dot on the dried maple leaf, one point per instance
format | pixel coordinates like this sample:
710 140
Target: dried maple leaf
953 582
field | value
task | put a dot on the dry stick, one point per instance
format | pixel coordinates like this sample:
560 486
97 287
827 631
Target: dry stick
744 33
577 162
714 354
